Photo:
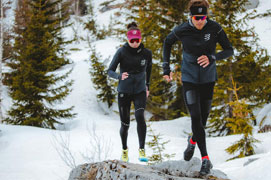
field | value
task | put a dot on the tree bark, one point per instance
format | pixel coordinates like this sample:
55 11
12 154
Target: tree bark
1 56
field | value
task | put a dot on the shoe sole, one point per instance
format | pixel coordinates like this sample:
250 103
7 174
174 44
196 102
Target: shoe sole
204 174
125 161
187 159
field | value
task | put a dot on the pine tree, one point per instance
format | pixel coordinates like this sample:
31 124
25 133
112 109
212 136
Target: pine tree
38 52
92 26
159 98
249 66
241 123
63 11
157 147
100 79
156 18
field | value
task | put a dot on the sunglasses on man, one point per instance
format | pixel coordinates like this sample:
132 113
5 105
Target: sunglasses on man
197 18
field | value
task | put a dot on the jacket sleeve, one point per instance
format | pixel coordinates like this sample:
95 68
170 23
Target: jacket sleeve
226 46
113 66
148 71
169 41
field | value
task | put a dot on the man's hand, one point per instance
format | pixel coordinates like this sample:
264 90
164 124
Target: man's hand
124 75
203 61
168 78
147 91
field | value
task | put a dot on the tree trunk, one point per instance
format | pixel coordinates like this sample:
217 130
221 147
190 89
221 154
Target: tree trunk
76 8
230 93
1 56
60 13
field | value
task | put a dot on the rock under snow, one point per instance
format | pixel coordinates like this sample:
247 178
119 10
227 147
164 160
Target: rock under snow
119 170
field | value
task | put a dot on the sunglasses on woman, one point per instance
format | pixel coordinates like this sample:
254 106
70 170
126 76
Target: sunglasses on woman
135 40
197 18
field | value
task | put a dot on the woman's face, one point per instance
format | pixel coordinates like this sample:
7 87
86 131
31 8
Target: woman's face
199 21
134 43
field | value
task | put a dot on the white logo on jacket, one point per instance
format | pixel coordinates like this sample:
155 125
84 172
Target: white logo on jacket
207 37
143 62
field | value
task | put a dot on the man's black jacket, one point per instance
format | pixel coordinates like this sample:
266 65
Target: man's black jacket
138 63
195 44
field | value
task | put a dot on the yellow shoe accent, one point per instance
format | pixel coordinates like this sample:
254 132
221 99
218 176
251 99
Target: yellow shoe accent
124 155
142 155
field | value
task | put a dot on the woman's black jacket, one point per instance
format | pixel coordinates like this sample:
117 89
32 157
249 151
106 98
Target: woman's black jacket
138 63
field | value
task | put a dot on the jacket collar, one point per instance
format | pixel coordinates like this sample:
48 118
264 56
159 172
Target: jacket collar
134 50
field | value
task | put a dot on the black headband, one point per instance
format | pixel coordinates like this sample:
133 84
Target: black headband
198 10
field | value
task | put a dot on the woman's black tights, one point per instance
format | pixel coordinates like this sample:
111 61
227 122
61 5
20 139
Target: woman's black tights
124 102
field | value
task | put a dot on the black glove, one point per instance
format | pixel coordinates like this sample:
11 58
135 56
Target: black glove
211 58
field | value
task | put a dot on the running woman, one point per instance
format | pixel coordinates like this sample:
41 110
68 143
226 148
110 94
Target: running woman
199 37
134 83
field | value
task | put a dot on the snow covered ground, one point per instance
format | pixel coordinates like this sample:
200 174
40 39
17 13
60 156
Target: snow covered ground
29 153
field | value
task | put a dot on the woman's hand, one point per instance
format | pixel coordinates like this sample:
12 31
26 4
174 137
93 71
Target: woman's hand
203 61
124 76
168 78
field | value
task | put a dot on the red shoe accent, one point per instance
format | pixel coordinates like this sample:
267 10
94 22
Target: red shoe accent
205 157
192 142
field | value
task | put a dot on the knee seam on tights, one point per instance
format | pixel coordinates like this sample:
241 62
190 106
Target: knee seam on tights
128 125
139 109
